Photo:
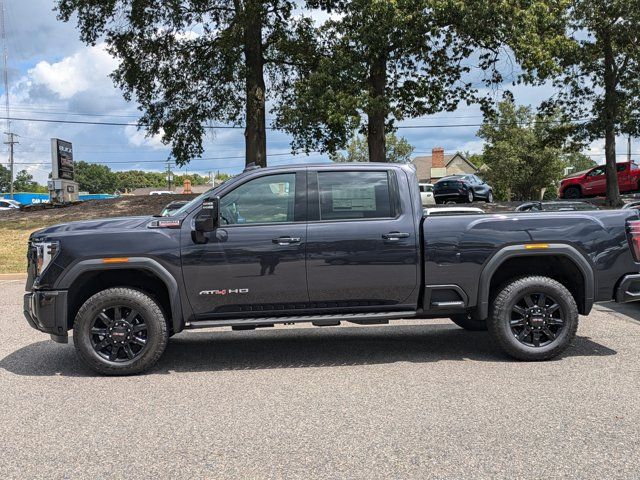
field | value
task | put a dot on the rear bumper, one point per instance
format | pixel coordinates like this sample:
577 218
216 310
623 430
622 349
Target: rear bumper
449 196
629 289
46 311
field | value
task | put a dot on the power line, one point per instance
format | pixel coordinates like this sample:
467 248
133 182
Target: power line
237 127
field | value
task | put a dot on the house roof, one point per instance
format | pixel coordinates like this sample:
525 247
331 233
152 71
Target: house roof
424 163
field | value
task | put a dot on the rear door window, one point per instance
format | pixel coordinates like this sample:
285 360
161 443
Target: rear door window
349 195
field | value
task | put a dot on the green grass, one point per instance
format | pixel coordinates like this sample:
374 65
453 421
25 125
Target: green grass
13 244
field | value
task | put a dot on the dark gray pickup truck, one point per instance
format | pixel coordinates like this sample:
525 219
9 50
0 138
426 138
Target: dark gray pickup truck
324 244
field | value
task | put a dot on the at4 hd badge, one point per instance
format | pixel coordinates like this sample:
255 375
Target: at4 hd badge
226 291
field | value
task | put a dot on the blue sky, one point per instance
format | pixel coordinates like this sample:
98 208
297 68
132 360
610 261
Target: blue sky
52 75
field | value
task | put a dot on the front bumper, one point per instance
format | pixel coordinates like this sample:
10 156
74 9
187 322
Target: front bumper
46 310
629 289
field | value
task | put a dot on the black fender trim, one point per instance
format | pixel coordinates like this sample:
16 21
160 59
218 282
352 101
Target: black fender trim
512 251
135 263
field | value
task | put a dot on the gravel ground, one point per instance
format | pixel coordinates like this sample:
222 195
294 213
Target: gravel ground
405 401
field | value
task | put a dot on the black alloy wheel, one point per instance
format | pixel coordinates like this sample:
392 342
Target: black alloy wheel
119 334
533 318
120 331
536 320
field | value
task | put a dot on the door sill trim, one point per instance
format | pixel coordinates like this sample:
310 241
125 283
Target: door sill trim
373 318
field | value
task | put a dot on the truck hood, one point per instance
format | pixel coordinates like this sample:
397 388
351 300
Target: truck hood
120 223
576 175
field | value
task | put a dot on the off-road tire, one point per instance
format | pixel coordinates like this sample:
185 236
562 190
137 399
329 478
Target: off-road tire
466 321
157 331
499 321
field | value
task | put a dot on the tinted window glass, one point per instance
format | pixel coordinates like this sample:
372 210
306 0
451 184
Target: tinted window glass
596 172
622 168
268 199
346 195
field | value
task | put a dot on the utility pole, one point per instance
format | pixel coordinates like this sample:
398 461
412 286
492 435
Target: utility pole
5 65
629 148
11 141
169 175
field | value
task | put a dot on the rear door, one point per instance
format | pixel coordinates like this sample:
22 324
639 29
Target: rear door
361 241
624 177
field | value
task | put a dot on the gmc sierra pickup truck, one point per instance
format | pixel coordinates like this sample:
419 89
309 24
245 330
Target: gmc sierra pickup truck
324 244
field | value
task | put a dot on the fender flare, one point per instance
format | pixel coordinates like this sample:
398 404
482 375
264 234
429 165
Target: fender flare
514 251
133 263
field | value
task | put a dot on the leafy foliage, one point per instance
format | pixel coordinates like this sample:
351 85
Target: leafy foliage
399 150
5 179
194 63
24 182
524 151
600 81
94 178
376 62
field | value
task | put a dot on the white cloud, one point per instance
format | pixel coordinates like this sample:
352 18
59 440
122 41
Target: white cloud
140 138
87 69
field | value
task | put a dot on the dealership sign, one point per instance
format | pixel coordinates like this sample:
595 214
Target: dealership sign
61 159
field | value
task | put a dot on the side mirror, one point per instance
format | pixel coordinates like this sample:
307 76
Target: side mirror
207 219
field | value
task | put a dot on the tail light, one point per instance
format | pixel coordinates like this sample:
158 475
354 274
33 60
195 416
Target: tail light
633 227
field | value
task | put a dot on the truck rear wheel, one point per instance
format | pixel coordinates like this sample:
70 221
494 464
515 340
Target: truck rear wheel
466 321
120 331
533 318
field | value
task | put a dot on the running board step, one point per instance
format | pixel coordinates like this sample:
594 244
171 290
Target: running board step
358 318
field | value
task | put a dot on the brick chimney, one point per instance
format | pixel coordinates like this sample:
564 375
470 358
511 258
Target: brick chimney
437 157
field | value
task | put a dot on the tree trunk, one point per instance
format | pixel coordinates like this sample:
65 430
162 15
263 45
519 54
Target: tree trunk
378 111
610 113
255 131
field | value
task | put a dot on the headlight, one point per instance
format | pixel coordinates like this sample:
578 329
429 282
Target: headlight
45 253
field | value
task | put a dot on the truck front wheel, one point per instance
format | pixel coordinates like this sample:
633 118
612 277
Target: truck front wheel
120 331
533 318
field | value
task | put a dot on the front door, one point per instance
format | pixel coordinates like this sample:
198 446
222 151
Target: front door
361 241
595 182
254 262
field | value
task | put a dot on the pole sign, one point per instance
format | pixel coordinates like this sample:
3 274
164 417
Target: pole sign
61 159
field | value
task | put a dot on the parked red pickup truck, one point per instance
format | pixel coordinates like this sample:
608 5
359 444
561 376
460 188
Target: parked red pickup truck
591 183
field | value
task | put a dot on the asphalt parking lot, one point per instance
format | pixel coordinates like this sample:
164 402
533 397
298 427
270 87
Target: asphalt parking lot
410 401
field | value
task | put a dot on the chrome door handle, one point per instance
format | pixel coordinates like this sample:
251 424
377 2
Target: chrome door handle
394 236
286 240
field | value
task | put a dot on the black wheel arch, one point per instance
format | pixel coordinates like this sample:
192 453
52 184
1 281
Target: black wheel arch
564 251
157 277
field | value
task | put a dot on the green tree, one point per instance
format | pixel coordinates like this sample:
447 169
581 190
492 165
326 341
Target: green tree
578 162
376 62
601 68
194 63
5 179
524 151
94 178
398 150
24 182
